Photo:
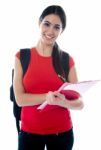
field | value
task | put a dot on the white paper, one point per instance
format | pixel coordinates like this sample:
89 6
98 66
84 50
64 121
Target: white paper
80 87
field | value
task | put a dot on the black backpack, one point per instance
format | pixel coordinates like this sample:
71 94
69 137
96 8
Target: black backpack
25 58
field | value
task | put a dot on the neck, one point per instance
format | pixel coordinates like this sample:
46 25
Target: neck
44 50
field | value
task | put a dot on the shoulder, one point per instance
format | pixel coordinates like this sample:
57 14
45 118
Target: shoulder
71 61
17 54
23 51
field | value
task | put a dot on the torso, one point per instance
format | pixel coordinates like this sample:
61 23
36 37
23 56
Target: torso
42 78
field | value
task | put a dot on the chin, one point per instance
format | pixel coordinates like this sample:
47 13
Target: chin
48 43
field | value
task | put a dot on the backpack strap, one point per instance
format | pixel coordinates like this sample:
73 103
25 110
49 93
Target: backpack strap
25 59
17 125
65 63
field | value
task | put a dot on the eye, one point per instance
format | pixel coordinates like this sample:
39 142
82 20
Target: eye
46 24
57 27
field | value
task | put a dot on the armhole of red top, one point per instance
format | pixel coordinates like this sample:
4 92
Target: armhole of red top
18 55
71 62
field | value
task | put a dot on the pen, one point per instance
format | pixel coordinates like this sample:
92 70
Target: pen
62 78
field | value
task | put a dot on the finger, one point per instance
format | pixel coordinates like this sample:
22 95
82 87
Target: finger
59 95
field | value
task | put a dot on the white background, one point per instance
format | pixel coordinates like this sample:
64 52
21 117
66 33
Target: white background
82 39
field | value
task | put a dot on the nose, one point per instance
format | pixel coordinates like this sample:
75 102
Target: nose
51 29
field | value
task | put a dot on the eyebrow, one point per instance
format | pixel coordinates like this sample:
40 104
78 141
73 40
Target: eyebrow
52 24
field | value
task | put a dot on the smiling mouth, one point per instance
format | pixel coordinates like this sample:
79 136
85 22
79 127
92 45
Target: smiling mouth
49 37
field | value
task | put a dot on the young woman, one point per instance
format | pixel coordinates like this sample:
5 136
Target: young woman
51 127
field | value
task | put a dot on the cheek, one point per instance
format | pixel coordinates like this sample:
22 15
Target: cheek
57 34
42 29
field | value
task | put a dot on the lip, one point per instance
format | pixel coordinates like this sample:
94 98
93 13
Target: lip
48 37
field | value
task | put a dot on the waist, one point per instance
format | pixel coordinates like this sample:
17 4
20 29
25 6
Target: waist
45 122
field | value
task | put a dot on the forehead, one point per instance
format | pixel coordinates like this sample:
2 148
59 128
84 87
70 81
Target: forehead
54 19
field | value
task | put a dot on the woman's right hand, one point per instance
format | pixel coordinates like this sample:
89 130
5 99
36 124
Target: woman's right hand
55 98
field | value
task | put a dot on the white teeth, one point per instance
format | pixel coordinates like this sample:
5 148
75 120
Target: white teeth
49 37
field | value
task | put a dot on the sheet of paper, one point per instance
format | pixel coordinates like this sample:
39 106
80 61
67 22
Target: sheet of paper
80 87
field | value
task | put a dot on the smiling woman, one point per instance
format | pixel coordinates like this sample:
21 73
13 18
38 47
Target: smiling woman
52 129
19 27
51 28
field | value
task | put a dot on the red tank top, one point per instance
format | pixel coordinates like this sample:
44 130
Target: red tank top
41 78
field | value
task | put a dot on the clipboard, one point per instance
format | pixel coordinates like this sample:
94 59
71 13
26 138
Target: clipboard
74 90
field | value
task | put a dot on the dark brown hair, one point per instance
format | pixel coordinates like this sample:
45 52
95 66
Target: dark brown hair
56 54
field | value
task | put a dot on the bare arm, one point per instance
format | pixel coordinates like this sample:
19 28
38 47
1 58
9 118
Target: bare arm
77 104
22 98
72 76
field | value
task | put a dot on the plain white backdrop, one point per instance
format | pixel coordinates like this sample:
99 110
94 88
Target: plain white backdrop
82 39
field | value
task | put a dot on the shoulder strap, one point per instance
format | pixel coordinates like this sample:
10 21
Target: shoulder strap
24 58
65 63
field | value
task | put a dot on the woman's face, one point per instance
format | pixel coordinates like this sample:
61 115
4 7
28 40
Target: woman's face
50 28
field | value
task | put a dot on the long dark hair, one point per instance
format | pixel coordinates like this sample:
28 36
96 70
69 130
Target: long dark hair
56 53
